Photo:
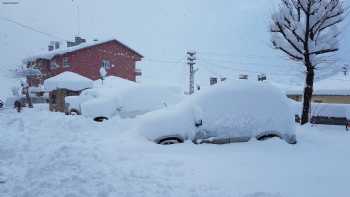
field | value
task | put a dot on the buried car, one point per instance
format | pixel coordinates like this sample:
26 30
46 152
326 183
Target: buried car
234 111
123 98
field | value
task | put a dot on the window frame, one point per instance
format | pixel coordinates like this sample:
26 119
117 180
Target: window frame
66 63
54 65
106 64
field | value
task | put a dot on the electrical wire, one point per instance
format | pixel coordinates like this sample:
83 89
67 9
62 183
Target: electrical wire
31 28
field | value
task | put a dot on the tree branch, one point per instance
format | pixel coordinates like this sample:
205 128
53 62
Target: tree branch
323 51
287 39
291 55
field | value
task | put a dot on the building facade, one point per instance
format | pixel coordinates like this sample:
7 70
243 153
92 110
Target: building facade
87 59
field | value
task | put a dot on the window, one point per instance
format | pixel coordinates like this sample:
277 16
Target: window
54 65
66 62
106 64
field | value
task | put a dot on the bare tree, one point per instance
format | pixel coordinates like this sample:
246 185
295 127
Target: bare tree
306 31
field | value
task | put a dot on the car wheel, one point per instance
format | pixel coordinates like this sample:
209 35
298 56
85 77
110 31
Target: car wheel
74 112
170 141
100 119
267 137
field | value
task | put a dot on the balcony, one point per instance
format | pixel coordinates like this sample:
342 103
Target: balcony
138 72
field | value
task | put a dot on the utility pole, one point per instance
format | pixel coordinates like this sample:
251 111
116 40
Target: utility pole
191 58
345 69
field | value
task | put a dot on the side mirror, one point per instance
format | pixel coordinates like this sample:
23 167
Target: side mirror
198 123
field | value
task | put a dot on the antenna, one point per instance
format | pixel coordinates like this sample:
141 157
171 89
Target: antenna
78 17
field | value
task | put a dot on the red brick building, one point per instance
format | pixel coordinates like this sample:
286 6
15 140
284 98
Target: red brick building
86 59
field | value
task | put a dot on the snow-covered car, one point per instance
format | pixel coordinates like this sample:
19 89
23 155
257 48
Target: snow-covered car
121 97
234 111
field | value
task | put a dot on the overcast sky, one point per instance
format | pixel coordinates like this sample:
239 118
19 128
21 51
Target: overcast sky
230 36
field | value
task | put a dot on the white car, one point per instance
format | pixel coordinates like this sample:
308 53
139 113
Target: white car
121 97
234 111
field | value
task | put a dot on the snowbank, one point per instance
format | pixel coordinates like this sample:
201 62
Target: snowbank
49 154
68 80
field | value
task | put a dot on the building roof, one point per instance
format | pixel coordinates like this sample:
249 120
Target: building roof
338 85
68 80
51 54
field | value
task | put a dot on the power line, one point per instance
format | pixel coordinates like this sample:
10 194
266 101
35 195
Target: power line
31 28
252 71
235 55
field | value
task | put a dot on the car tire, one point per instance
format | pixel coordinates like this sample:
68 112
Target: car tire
74 112
267 137
100 119
170 141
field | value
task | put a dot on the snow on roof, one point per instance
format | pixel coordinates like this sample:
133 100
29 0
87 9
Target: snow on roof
69 81
338 85
51 54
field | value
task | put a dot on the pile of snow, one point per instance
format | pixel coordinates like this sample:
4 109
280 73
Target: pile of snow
49 154
68 80
238 108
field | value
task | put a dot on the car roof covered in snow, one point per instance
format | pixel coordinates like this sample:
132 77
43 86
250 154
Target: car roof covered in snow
68 80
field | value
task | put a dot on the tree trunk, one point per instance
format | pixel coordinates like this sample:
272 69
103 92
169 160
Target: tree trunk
308 96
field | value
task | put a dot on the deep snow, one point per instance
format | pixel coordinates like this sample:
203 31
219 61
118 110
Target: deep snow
49 154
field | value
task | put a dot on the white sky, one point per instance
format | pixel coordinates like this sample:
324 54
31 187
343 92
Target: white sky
232 36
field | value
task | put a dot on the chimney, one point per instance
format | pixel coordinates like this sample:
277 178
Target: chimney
57 45
262 77
243 76
213 80
51 47
77 41
70 44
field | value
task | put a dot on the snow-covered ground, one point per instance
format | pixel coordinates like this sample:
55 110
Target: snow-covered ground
49 154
